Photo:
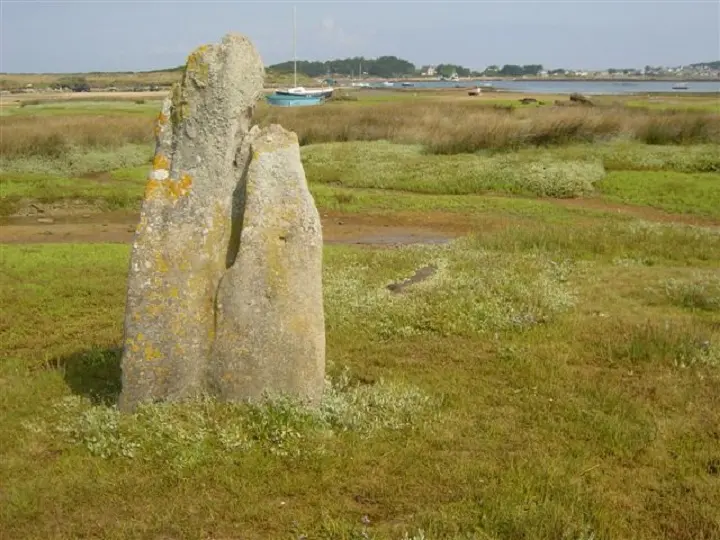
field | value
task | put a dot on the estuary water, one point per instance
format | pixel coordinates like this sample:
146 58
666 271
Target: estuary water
568 87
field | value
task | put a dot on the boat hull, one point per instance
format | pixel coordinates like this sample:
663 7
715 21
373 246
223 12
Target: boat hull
282 100
306 93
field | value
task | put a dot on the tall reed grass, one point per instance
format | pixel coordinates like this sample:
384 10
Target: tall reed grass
441 127
452 128
53 136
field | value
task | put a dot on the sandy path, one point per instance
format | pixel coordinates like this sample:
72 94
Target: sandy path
338 228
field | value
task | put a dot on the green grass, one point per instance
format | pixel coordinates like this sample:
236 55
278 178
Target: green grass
622 155
557 377
679 104
524 390
406 168
697 193
355 200
348 176
78 161
567 172
119 189
148 108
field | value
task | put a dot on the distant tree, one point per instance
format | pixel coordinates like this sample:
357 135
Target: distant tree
390 66
74 83
447 70
511 70
384 66
532 69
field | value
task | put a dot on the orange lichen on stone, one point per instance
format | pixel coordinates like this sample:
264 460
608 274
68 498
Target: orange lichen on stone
168 188
185 183
160 161
151 188
160 122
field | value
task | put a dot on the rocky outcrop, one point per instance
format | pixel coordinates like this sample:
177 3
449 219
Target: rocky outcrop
205 264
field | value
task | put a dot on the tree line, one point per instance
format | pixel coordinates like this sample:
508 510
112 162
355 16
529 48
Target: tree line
392 66
384 66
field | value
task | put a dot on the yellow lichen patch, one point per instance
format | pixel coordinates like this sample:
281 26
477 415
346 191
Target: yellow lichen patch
168 188
194 56
160 263
180 108
160 162
185 182
132 346
151 188
139 344
160 123
155 310
151 353
141 224
196 68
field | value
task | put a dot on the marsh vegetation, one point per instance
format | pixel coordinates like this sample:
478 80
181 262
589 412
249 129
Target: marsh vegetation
556 376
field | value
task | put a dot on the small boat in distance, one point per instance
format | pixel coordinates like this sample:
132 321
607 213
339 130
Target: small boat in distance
297 96
680 86
300 91
289 100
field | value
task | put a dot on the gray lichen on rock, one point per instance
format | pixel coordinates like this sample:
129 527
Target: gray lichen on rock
218 199
270 322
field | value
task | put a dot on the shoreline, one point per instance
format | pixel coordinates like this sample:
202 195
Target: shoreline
102 95
553 79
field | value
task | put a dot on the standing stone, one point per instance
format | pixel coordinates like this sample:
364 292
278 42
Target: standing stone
190 230
270 321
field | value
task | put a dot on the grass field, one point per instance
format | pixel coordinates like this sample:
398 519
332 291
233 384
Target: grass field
557 375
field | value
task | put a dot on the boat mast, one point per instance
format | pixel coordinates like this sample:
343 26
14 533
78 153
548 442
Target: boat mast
294 49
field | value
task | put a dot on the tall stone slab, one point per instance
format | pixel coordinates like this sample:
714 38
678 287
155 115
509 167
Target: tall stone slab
180 248
270 334
225 282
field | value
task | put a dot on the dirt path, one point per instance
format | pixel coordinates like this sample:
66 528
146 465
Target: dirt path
65 223
641 212
338 228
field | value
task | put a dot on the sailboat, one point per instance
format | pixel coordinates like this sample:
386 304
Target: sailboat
297 95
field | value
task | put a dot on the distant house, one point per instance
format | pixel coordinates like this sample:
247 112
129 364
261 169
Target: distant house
429 71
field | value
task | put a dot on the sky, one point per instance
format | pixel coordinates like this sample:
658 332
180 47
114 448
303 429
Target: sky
133 35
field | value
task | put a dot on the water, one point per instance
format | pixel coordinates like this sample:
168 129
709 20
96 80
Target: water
568 87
